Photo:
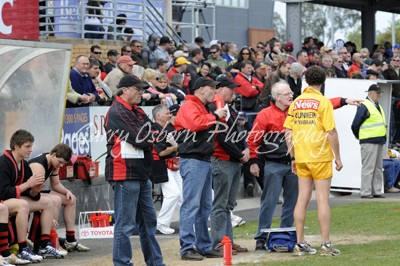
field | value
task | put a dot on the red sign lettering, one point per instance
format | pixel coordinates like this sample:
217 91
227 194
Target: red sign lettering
19 19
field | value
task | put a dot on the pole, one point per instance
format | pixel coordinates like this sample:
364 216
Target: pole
168 15
393 30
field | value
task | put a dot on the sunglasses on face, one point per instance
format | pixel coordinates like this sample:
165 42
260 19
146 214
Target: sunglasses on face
260 47
138 46
98 53
214 52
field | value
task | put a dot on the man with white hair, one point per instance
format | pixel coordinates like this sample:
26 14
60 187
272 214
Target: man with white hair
295 79
277 171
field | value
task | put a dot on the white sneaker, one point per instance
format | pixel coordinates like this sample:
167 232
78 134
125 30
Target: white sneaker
14 260
166 230
71 246
237 220
62 251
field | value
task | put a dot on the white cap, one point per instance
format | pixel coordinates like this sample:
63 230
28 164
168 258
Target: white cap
180 53
213 42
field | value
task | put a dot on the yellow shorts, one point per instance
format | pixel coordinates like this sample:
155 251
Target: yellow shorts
316 171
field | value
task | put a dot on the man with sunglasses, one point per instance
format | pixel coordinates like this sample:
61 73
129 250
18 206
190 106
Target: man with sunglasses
128 168
95 53
369 127
136 47
218 64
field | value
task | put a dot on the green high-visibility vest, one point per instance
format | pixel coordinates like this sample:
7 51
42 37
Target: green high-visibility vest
375 125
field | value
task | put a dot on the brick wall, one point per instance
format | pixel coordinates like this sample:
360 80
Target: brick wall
82 46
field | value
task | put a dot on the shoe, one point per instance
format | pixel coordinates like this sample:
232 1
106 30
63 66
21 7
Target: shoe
328 250
239 249
380 196
191 254
250 190
392 190
260 245
50 251
14 260
27 254
367 197
62 251
71 246
213 254
237 220
166 230
301 249
220 249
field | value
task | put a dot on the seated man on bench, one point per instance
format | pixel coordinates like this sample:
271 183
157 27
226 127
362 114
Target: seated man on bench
48 165
20 191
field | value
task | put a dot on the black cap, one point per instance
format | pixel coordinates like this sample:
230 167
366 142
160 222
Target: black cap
164 40
202 82
174 109
225 82
372 72
131 80
112 52
199 39
374 87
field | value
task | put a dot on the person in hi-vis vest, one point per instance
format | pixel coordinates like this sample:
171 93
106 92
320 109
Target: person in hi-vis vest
369 127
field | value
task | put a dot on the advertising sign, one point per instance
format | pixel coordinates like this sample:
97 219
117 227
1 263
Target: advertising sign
76 131
19 19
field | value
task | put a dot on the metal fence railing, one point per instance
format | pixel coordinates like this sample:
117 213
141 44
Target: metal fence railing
102 19
122 19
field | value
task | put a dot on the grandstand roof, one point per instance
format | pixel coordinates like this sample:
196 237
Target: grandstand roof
392 6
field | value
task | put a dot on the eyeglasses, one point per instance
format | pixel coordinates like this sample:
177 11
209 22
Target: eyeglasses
260 47
395 60
99 53
211 52
286 94
139 46
139 90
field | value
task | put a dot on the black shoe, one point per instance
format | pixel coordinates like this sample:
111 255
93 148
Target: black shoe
191 254
250 190
367 197
380 196
213 254
260 245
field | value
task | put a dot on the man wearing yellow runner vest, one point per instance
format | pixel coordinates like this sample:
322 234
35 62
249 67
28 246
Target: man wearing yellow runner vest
369 127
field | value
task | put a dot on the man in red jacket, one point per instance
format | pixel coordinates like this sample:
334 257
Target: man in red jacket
128 168
195 137
230 152
249 88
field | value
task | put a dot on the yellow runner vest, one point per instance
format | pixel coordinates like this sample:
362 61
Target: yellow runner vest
375 125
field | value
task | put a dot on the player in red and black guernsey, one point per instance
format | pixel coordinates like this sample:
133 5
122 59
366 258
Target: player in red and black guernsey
195 137
48 164
128 169
230 151
18 183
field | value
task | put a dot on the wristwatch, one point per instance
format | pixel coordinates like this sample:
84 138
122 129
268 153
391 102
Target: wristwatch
292 158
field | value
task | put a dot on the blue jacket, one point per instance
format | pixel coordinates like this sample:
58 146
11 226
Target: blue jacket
82 84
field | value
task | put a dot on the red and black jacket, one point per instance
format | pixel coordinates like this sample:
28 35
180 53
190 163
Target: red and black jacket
194 125
11 177
127 123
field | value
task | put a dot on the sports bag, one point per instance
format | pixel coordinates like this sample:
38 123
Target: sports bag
281 241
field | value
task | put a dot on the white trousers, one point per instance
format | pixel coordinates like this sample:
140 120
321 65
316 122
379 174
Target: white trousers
172 197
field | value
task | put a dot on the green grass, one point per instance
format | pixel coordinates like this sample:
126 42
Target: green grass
374 218
376 223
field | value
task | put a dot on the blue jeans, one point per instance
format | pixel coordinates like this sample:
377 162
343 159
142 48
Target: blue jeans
226 178
276 177
196 205
133 203
392 170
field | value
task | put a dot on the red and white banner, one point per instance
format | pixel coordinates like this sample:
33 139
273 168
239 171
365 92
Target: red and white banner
19 19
